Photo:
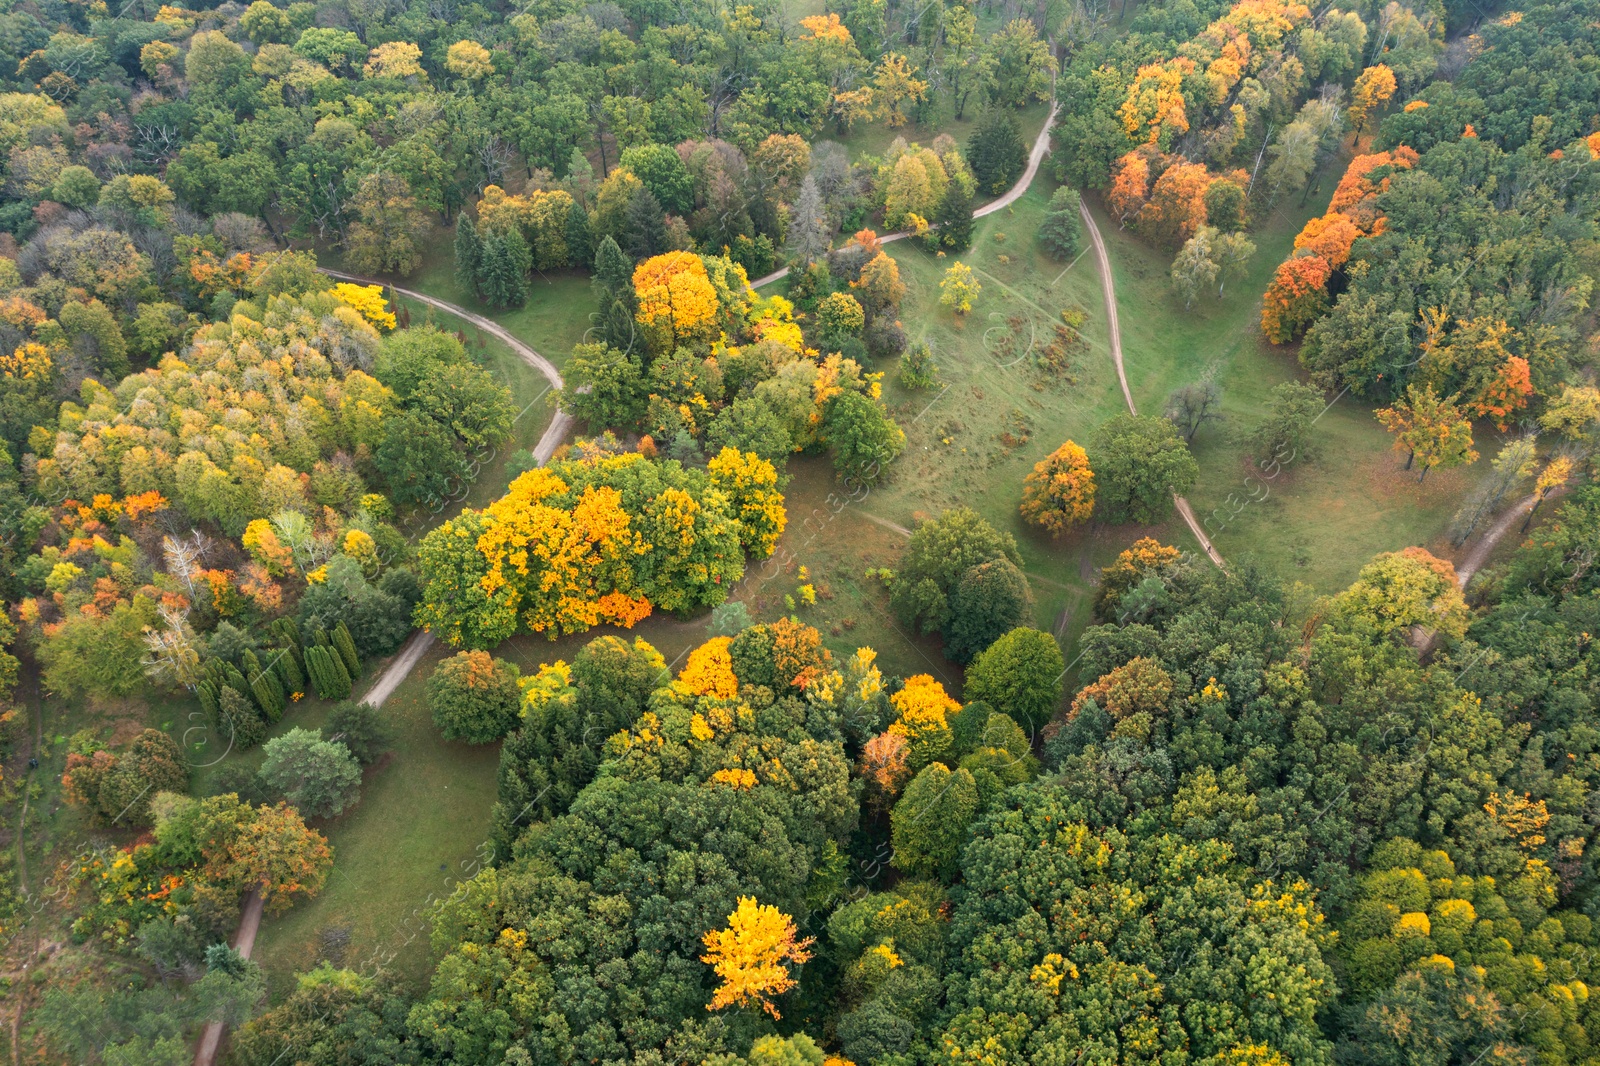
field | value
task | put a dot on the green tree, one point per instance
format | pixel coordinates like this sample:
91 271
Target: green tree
996 153
661 170
953 218
1061 233
989 601
605 387
360 727
941 551
416 457
1021 672
863 438
1193 405
469 255
318 777
930 821
1139 464
384 239
338 1015
474 697
1284 433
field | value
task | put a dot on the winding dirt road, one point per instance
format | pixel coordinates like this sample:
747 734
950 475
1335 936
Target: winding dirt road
1479 555
1041 148
1109 288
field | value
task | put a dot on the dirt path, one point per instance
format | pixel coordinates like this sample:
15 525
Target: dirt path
1109 288
384 684
1041 147
244 941
1494 534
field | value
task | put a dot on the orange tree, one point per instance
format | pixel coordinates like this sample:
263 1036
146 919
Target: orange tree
1434 431
1059 493
1297 295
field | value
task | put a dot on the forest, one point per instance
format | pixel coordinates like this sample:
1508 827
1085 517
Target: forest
613 532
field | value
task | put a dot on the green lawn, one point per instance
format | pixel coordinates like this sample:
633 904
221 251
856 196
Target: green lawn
423 815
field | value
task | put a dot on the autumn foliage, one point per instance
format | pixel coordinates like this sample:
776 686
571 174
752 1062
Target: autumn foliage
1297 295
677 304
1059 493
751 956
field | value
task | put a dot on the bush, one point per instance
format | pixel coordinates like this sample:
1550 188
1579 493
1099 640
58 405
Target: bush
474 697
317 776
362 728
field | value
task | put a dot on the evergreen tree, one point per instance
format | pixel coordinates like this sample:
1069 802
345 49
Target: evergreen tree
469 255
809 229
954 218
644 226
613 284
579 237
503 279
1061 234
612 271
996 153
346 647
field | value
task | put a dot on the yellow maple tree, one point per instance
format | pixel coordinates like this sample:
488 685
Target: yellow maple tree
677 304
751 956
924 719
709 671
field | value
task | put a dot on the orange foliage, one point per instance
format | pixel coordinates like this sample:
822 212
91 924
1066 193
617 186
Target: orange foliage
1059 493
885 766
1298 293
1177 205
1154 108
797 653
709 671
1130 186
750 956
1139 686
1506 394
1330 237
1356 196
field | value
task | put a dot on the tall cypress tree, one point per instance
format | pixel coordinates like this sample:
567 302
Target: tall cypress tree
579 237
613 286
469 255
644 226
996 153
506 259
954 218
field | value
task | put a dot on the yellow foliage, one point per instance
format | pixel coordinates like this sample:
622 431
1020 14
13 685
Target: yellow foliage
29 362
709 671
750 956
1411 925
924 709
677 304
368 301
740 779
751 483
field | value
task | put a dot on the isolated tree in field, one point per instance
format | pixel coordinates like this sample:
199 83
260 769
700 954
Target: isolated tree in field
1193 405
1232 252
940 552
318 777
751 957
1432 431
1195 266
1059 492
1021 671
266 850
1284 434
959 288
1139 463
996 153
1374 87
1061 233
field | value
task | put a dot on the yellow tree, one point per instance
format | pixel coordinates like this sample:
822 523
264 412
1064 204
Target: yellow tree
751 956
1374 88
1553 477
677 304
468 59
1060 492
924 720
1154 110
709 671
1433 430
897 84
959 288
751 484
